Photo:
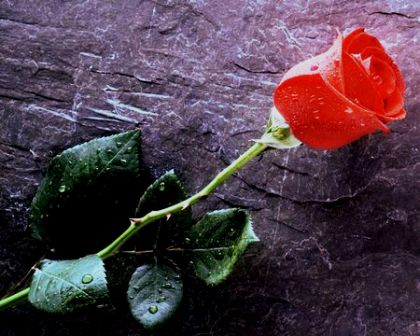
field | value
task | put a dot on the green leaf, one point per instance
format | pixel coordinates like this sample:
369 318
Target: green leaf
165 191
66 285
154 293
88 194
217 241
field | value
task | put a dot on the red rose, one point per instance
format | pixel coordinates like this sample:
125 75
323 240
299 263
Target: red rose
337 97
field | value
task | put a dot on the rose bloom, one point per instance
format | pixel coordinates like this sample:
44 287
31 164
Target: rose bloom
332 99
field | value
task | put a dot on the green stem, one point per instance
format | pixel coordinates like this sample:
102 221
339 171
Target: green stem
139 223
14 299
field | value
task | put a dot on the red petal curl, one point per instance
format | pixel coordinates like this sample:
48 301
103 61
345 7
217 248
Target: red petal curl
359 87
394 107
359 41
383 75
381 54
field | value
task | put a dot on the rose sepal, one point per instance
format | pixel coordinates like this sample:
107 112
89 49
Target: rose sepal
278 133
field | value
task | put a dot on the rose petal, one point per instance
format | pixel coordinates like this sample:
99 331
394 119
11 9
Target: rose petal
358 86
351 36
328 64
361 41
383 75
381 54
320 116
394 107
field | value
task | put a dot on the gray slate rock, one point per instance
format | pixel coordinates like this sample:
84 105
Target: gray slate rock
340 230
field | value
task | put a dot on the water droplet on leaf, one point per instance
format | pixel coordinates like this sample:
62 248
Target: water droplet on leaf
62 188
153 309
87 278
162 186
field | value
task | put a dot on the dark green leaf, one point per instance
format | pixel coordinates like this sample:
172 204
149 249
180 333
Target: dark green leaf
66 285
165 191
88 194
217 241
154 293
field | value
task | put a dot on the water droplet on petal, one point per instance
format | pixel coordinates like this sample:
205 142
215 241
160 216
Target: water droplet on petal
87 278
314 67
348 110
377 79
153 309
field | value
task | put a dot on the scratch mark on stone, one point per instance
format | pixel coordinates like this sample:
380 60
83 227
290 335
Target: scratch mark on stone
151 95
53 112
118 105
88 54
111 115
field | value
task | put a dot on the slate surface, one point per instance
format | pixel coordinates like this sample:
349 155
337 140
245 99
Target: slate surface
340 230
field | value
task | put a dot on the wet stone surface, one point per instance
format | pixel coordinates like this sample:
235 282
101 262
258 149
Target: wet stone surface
340 232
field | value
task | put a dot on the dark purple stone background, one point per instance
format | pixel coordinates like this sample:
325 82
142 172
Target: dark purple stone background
340 230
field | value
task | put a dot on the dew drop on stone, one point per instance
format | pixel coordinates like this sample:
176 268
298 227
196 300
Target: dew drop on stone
153 309
162 186
87 278
62 188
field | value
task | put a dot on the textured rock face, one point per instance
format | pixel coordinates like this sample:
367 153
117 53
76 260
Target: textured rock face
340 230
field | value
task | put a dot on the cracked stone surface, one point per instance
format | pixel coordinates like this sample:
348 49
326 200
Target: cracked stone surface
340 230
